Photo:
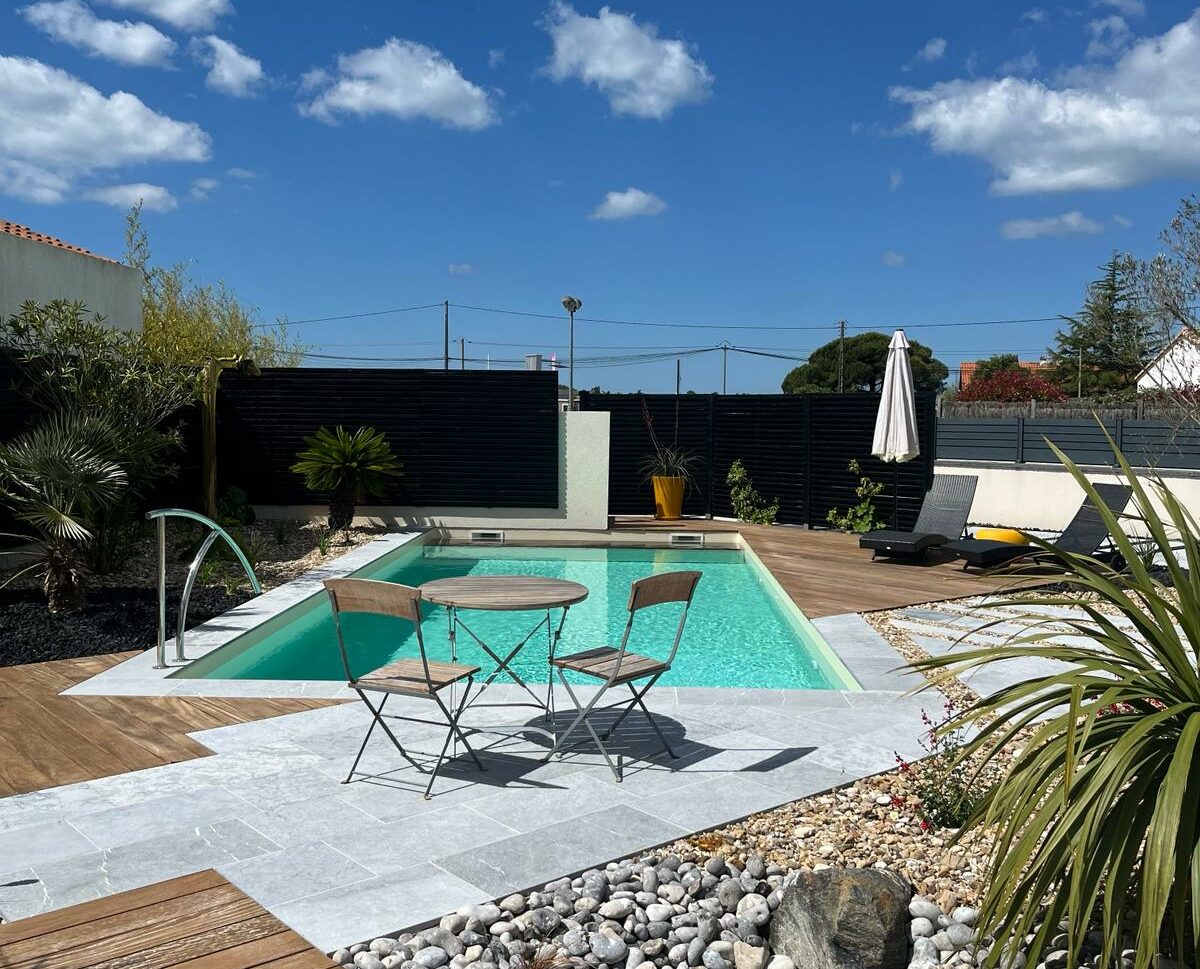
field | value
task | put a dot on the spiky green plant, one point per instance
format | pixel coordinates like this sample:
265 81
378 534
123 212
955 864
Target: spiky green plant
55 479
1100 806
349 466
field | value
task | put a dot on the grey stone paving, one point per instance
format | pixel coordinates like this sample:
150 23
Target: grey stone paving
340 863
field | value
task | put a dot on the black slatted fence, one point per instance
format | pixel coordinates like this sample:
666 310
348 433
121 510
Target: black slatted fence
795 447
468 438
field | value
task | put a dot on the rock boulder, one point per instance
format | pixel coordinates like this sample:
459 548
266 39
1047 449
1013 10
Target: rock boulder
844 919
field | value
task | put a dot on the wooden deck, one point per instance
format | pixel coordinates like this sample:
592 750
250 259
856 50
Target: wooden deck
47 739
199 921
826 573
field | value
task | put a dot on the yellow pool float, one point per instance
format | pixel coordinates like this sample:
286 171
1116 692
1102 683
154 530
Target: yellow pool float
1010 535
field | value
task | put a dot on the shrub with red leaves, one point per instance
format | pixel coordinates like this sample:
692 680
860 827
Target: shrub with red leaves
1012 386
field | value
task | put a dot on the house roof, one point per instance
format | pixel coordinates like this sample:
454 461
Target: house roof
24 232
1187 334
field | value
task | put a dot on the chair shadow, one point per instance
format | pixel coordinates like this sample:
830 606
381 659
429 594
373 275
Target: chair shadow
636 747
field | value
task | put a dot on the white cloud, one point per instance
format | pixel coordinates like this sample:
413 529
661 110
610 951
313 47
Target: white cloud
460 269
184 14
628 204
895 179
934 50
1072 223
404 79
1123 221
202 186
1108 36
73 23
1129 8
154 198
242 173
55 128
640 73
231 71
892 259
1027 63
1102 128
1035 15
495 57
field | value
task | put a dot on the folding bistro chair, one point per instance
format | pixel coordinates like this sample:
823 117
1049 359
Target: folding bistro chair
616 666
407 677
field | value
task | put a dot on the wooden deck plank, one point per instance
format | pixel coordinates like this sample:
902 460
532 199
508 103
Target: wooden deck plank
67 918
200 921
166 919
826 573
47 739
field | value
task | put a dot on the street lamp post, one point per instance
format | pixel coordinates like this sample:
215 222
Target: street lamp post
572 304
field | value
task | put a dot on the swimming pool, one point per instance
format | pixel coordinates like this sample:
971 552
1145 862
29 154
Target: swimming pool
742 631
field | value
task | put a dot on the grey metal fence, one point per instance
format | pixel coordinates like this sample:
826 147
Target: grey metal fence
1022 440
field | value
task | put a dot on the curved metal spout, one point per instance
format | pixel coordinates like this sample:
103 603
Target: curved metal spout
215 532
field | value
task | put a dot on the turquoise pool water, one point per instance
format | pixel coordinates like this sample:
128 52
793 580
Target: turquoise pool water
741 631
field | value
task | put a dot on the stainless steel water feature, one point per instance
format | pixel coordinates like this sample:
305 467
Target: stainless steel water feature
215 532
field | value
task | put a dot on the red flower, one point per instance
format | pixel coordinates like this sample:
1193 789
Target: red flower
924 825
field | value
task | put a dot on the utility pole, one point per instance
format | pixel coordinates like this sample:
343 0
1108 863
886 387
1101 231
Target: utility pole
676 437
724 366
841 356
1079 377
572 304
446 334
462 353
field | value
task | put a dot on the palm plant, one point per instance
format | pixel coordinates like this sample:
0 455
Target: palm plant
56 480
1098 810
349 466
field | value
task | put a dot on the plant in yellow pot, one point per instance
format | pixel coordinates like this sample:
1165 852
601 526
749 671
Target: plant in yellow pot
669 470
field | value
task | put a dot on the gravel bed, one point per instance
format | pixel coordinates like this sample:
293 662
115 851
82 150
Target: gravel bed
702 912
122 608
113 621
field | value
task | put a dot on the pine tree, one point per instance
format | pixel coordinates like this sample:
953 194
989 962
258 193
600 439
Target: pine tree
1111 338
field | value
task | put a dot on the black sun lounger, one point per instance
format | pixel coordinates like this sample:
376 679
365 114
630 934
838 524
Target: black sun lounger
942 519
1084 534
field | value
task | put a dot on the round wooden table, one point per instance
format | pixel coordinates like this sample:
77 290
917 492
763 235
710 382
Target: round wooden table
504 593
507 593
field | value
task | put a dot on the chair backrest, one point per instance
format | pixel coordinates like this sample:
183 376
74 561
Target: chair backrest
1086 532
665 587
947 505
377 598
655 590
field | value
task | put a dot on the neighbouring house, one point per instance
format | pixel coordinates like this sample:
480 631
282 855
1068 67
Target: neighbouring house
35 266
967 368
1176 365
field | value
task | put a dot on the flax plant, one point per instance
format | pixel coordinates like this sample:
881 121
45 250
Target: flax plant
1099 810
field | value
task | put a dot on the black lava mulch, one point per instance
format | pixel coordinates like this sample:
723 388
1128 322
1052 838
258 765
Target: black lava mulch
114 620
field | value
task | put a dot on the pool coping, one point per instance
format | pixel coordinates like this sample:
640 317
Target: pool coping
138 676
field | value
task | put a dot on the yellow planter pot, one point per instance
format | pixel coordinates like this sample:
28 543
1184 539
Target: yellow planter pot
668 497
1010 535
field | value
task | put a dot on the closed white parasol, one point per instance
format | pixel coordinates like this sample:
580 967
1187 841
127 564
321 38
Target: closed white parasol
896 422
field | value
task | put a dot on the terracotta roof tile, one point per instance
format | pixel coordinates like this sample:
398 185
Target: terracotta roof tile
24 232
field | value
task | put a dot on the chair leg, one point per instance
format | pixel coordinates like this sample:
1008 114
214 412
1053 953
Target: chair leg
452 732
582 718
637 701
377 718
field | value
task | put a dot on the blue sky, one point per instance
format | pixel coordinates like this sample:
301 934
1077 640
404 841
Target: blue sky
784 164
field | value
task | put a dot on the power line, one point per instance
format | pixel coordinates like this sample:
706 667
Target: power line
752 326
348 316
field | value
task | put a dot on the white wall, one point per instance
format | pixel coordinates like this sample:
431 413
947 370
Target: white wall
1178 367
1041 497
38 271
583 442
